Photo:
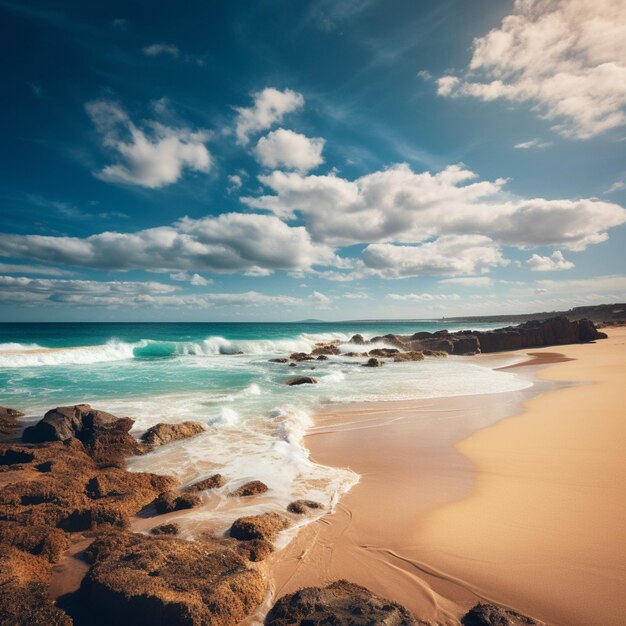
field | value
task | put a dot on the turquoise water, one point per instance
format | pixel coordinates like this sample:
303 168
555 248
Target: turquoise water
220 375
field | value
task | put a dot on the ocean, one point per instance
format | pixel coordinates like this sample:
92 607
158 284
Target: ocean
220 374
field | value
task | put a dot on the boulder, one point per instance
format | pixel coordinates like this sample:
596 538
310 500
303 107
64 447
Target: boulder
9 422
301 380
300 507
265 526
212 482
322 357
301 356
252 488
414 355
166 529
38 540
341 604
383 352
357 340
161 434
146 580
373 362
492 615
24 599
328 349
170 501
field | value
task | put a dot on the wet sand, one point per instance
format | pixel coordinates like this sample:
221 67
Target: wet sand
526 512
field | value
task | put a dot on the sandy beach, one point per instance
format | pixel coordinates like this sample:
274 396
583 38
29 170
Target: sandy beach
457 504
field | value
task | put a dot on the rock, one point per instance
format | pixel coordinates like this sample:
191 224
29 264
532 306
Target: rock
301 356
355 354
253 488
170 501
300 507
339 604
24 599
357 340
9 424
327 349
161 434
435 353
491 615
373 362
105 437
293 365
166 529
322 357
301 380
384 352
415 355
212 482
255 549
279 360
265 526
38 540
146 580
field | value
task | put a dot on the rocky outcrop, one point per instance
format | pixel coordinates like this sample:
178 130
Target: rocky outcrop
252 488
147 580
373 362
533 334
415 355
24 599
300 507
166 529
357 340
9 422
355 354
161 434
301 380
340 604
35 539
326 349
301 356
170 501
492 615
265 526
212 482
105 437
384 352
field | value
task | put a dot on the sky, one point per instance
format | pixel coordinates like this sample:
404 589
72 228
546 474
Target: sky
274 160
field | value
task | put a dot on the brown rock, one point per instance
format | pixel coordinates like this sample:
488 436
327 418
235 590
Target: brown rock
322 357
24 599
300 507
415 355
492 615
253 488
327 349
265 526
147 580
373 362
38 540
255 549
357 340
166 529
279 360
355 354
9 422
338 604
212 482
170 501
301 356
161 434
301 380
383 352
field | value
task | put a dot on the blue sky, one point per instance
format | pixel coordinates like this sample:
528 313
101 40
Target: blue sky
284 160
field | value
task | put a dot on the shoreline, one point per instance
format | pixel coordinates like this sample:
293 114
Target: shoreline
385 533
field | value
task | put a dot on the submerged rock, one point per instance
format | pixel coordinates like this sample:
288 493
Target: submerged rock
373 362
147 580
161 434
252 488
301 356
300 507
339 604
265 526
166 529
212 482
170 501
492 615
279 360
301 380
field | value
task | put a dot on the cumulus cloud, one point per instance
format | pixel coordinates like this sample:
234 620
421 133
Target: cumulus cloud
194 279
285 148
230 242
157 49
153 156
552 263
452 254
399 205
269 108
565 57
422 297
17 268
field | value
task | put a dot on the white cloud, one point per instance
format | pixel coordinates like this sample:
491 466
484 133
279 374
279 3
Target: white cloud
157 49
567 58
320 298
151 157
285 148
195 279
269 108
453 254
357 295
399 205
552 263
616 186
235 182
468 281
15 268
537 144
230 242
422 297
